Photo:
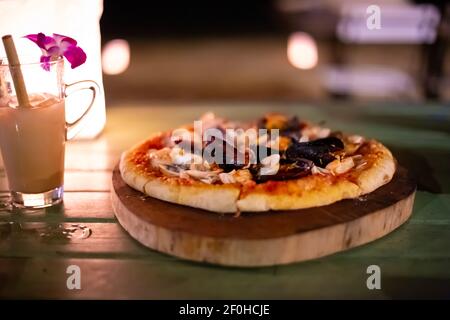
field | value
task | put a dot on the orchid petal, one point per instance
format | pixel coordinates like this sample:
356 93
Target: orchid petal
41 40
75 55
54 52
32 37
65 45
45 42
60 38
45 62
38 38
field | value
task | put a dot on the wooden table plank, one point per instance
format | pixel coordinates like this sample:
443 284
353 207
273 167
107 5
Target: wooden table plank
91 155
431 208
330 278
87 181
77 206
24 239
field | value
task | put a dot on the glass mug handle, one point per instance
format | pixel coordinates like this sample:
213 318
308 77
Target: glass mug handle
73 128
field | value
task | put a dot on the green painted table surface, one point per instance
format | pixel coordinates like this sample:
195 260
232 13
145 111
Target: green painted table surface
414 260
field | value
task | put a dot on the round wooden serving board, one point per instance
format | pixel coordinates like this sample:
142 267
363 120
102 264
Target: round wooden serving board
267 238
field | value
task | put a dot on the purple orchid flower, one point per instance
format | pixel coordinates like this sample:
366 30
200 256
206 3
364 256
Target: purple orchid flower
58 46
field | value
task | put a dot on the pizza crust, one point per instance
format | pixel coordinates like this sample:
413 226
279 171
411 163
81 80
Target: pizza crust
311 191
380 171
218 198
259 200
316 190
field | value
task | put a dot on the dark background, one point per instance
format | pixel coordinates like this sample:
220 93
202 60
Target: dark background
158 19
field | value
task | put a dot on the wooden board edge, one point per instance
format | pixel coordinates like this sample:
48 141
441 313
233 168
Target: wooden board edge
265 252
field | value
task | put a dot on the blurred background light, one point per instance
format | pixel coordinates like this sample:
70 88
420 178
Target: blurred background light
400 23
369 81
115 56
254 49
302 51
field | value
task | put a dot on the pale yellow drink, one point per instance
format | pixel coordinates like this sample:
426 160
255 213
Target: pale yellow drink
32 142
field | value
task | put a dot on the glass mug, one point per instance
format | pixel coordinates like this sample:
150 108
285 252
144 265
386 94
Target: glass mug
32 139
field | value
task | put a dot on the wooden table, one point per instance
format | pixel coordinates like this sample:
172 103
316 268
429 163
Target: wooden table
414 260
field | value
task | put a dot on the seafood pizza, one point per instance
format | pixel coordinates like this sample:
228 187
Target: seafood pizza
277 162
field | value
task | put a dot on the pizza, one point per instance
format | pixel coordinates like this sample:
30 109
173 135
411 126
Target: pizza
277 162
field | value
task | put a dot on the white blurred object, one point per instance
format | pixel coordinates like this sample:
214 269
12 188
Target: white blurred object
302 51
79 19
400 23
368 81
115 56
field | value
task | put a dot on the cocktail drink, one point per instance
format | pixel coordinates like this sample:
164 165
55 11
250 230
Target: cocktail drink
32 137
33 140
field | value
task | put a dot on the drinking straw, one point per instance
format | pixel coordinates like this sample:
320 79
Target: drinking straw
16 72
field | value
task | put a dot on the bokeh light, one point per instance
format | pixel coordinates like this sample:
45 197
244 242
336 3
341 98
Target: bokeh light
302 50
115 56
